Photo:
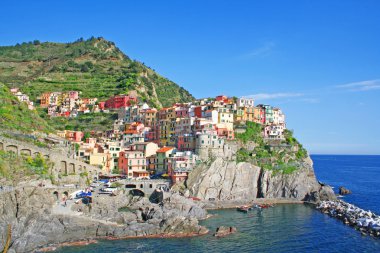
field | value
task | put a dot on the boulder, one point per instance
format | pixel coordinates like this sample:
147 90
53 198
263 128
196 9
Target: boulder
344 191
224 231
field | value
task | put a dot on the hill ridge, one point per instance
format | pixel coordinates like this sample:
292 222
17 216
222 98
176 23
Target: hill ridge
96 67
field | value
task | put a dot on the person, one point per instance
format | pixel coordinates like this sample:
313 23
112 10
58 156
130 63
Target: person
64 200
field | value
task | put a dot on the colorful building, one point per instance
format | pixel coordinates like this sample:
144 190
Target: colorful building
162 156
133 164
120 101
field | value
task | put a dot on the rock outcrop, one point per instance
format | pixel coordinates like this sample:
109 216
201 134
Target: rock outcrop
224 180
227 181
344 191
35 223
224 231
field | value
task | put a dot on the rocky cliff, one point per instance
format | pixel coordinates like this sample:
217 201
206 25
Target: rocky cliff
37 220
223 179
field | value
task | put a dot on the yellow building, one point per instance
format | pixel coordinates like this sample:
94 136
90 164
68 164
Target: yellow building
103 161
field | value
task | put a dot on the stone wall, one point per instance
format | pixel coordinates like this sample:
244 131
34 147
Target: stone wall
61 163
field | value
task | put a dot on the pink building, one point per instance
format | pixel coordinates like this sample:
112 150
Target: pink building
182 112
224 132
73 94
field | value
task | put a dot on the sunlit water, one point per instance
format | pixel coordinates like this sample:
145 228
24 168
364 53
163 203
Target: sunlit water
284 228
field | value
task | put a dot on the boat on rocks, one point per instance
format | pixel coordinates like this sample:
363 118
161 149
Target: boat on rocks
244 209
224 231
262 206
367 222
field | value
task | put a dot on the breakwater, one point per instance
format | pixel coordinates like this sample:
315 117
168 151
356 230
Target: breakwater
367 222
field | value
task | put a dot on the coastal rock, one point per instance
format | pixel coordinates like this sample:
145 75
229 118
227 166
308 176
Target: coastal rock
32 213
224 231
226 181
364 221
344 191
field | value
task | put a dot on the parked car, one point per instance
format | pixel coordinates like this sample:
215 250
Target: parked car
83 194
95 185
108 184
108 190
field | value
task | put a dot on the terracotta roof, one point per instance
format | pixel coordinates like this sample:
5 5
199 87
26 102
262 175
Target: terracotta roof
131 132
164 149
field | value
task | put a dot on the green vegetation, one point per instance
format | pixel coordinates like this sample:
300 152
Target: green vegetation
84 122
253 133
279 156
116 170
116 185
83 174
125 209
15 167
95 67
15 115
290 140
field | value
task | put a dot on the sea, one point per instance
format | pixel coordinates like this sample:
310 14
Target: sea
283 228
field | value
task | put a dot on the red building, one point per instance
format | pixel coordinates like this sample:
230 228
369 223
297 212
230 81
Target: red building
186 143
101 105
222 98
120 101
198 111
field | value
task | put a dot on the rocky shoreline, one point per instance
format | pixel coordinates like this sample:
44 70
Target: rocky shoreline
366 222
85 242
40 223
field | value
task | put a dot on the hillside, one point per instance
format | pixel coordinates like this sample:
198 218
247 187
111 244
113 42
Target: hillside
96 67
15 115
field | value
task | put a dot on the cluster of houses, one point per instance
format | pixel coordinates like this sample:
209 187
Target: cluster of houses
145 141
70 104
23 98
170 141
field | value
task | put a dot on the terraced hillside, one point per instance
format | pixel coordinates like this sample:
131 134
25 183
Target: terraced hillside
15 115
96 67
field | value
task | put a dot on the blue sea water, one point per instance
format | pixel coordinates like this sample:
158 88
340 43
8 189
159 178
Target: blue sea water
284 228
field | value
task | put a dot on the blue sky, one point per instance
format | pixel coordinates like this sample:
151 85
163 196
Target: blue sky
317 60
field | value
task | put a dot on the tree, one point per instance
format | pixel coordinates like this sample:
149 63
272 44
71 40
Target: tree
115 170
36 42
86 136
77 146
84 68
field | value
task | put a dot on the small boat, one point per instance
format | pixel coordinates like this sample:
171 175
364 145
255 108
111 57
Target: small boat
244 209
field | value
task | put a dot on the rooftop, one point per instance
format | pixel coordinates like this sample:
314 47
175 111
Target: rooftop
164 149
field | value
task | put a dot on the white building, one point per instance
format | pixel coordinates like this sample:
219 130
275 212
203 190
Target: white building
245 102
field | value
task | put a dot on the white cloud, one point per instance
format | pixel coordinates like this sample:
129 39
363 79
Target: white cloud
265 49
362 85
263 96
310 100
